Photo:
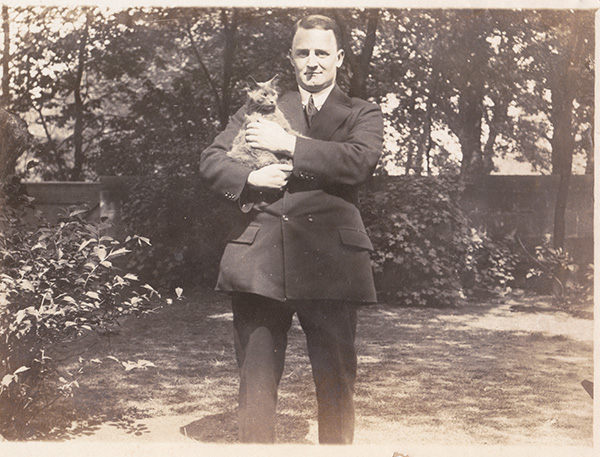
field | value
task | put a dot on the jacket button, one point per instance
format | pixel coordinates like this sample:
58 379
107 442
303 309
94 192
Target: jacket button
285 218
310 218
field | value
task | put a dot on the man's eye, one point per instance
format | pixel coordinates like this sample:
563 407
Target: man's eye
322 53
301 53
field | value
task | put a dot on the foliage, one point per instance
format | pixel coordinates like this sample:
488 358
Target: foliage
187 225
58 281
73 84
133 68
426 251
582 291
490 263
443 66
555 269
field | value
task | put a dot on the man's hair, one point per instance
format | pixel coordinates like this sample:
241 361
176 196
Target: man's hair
317 21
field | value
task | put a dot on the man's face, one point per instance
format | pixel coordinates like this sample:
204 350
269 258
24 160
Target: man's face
315 58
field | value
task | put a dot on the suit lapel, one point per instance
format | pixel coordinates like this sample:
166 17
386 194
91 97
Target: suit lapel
332 114
290 105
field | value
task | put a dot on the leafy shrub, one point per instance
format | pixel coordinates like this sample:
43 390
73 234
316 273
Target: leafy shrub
583 289
558 274
489 264
58 281
426 250
187 224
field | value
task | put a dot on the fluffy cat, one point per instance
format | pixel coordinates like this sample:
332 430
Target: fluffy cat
262 104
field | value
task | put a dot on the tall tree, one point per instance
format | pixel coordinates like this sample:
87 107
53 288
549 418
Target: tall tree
78 105
564 81
220 83
359 61
5 97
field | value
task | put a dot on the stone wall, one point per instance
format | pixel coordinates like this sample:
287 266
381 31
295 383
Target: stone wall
52 198
502 204
104 198
525 204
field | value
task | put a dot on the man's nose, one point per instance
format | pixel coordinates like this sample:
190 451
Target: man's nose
312 60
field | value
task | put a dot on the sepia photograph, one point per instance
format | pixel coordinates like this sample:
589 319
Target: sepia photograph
268 228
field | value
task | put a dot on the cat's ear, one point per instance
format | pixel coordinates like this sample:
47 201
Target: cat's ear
275 79
252 82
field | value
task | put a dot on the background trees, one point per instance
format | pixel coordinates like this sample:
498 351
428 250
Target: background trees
117 92
142 91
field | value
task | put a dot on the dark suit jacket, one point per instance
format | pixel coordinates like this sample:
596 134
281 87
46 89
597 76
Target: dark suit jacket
310 241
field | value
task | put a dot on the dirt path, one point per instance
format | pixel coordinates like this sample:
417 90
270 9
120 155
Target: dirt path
506 373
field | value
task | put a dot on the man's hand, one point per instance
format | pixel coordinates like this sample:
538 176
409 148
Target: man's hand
273 176
270 136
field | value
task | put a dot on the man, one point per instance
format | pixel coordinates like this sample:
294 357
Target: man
306 251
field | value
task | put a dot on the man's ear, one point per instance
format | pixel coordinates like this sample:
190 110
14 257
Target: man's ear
340 58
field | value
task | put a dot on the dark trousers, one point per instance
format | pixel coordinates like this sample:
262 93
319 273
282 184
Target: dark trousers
260 328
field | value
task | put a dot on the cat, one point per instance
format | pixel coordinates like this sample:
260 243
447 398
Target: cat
262 104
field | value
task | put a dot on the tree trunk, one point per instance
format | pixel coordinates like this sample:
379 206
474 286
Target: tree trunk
468 129
5 58
589 166
77 172
360 71
230 31
14 138
493 123
562 155
563 143
409 161
223 92
465 62
359 64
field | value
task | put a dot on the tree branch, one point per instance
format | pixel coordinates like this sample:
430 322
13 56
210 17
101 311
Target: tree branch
196 53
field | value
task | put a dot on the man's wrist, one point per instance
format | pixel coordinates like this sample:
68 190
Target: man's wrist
250 181
291 146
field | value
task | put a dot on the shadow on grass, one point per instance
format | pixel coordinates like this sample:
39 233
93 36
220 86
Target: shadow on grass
214 428
222 428
496 372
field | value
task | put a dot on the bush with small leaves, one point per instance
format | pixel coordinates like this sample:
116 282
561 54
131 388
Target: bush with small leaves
489 264
556 269
188 227
427 251
57 282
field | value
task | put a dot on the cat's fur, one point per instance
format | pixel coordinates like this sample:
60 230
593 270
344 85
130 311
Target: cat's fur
262 104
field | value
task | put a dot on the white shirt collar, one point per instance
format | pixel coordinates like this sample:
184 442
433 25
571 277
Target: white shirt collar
318 97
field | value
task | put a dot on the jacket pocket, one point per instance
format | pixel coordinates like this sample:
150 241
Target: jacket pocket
246 237
355 238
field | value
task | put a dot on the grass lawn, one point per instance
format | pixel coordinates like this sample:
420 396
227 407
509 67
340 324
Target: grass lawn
504 372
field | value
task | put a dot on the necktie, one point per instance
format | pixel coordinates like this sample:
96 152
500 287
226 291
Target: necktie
310 110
